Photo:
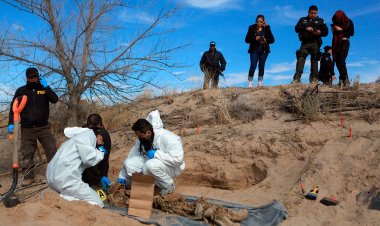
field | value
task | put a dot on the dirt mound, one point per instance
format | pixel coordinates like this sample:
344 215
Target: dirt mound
253 158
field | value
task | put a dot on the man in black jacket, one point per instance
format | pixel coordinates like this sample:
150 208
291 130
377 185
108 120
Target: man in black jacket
212 64
34 120
310 29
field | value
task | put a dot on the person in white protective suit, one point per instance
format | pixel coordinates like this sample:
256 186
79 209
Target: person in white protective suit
64 171
157 152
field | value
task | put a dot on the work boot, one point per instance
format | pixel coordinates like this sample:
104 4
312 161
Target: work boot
27 182
295 81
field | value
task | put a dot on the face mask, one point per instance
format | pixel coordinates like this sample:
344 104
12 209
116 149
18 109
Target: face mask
32 85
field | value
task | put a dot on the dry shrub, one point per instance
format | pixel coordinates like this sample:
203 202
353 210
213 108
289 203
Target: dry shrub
240 110
307 105
147 94
370 116
310 107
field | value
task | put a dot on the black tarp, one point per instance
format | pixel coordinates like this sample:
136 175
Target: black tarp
267 215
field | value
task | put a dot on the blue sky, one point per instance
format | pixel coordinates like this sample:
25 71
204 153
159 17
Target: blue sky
226 22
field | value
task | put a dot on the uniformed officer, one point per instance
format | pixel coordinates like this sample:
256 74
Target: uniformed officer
310 29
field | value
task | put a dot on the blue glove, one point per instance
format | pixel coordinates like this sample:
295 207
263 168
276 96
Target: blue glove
121 181
43 82
10 128
151 153
105 182
102 149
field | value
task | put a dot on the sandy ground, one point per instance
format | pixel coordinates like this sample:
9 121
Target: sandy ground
239 160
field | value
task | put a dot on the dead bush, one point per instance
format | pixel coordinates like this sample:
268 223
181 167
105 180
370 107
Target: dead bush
240 110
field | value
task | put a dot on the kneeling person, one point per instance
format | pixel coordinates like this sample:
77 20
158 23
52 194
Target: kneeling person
157 152
64 172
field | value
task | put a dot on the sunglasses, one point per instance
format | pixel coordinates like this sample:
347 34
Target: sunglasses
260 22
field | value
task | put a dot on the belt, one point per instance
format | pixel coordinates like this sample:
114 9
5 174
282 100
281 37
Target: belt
344 38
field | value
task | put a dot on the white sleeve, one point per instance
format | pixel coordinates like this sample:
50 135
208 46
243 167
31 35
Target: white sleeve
171 152
87 152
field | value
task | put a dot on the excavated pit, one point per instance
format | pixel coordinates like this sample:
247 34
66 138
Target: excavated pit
223 176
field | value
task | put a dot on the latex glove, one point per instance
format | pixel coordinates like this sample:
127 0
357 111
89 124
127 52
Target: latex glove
102 149
10 128
105 182
151 153
121 181
43 82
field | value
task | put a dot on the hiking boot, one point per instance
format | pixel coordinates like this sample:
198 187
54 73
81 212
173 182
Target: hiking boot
165 191
295 81
27 182
250 84
260 84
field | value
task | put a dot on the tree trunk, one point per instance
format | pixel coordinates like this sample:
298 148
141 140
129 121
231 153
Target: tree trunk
73 110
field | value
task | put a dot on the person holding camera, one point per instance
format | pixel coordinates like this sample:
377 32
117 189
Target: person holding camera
343 29
259 36
34 121
310 29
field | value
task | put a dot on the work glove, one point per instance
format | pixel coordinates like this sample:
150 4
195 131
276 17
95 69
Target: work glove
10 128
151 153
105 182
121 181
102 149
43 82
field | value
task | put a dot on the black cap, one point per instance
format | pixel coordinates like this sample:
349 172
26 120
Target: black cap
327 48
31 72
212 43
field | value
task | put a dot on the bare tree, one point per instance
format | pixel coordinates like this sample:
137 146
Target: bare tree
79 49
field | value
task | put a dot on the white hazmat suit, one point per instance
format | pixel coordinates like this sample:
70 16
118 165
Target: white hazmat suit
64 171
167 162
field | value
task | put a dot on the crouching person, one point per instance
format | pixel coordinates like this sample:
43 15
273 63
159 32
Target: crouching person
64 172
157 152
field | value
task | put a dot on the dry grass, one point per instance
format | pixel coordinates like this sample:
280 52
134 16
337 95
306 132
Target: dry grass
240 110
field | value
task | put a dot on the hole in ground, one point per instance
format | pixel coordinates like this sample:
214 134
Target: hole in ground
227 176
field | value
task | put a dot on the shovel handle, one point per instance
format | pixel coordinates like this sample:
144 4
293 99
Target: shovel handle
17 107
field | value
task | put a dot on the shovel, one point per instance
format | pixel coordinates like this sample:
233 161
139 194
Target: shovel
8 198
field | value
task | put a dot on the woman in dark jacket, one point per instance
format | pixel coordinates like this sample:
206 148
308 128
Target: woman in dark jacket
259 36
342 29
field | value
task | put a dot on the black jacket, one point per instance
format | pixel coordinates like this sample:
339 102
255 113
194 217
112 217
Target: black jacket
308 37
250 38
92 175
326 70
36 110
213 61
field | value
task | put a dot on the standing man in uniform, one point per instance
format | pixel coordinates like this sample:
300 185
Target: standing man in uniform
212 64
34 120
310 29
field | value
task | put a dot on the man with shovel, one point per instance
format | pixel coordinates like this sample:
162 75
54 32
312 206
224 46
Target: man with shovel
34 121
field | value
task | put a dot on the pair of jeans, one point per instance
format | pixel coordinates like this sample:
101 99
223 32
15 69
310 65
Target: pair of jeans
257 56
340 60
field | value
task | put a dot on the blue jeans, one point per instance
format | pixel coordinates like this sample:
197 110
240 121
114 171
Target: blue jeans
257 55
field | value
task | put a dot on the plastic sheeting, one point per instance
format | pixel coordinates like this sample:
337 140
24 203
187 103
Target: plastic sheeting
271 214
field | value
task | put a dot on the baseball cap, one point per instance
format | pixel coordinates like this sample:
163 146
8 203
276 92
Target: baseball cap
212 43
31 72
